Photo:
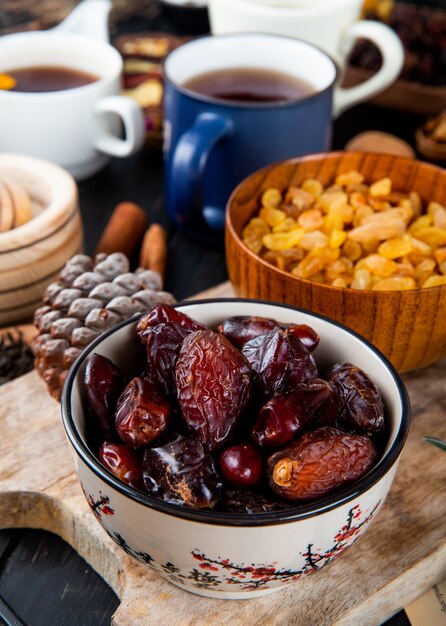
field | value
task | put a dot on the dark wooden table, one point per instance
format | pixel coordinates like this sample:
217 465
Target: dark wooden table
43 582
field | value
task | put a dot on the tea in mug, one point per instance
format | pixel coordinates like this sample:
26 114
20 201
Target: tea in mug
249 85
45 79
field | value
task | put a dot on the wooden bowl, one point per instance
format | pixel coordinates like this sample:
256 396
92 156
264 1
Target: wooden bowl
407 326
32 255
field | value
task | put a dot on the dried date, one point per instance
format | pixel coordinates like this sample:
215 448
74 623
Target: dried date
242 328
286 415
213 385
123 462
163 345
103 384
142 413
361 405
247 502
271 357
304 366
182 472
306 334
319 462
165 314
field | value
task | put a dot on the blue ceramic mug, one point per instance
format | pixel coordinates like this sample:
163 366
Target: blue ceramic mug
211 144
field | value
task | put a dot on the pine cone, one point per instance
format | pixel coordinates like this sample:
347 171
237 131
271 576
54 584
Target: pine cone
89 297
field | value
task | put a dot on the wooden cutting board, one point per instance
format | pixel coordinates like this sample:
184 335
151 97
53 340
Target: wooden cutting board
400 557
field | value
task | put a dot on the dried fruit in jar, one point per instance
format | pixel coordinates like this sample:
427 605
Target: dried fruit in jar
361 405
103 384
242 328
123 462
241 465
142 413
271 357
287 414
182 472
214 386
319 462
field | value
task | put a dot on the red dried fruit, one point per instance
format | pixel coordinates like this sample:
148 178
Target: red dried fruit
319 462
165 314
304 367
242 328
361 405
123 462
182 472
288 414
103 384
142 413
241 465
213 386
271 357
306 334
163 343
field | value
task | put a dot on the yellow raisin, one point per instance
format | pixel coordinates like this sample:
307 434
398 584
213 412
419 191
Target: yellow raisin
440 255
434 281
337 238
283 241
395 248
380 266
313 239
395 283
340 281
311 219
299 198
352 250
424 269
349 178
271 198
333 222
309 266
357 199
333 199
361 213
434 237
313 186
381 188
362 279
271 216
284 227
421 222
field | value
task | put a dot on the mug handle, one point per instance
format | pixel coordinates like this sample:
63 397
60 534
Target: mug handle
132 118
392 52
89 18
188 164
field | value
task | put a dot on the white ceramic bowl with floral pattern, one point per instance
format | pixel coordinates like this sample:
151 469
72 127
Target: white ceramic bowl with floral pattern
224 555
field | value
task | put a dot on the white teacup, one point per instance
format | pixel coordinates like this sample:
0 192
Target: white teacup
332 25
78 129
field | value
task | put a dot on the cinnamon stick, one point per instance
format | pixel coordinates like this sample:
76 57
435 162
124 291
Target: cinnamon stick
124 229
154 249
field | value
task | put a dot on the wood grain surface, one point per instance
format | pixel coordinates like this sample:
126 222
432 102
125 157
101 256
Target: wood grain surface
401 556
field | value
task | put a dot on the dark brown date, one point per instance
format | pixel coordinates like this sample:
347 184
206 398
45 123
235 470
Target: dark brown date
304 367
165 314
123 462
242 328
271 357
163 344
306 334
213 385
361 405
182 472
318 463
142 413
103 384
241 465
288 414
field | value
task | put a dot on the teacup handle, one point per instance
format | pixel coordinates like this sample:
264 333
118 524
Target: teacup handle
392 52
89 18
133 120
188 164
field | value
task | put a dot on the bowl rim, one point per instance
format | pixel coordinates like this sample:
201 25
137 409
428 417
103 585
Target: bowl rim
293 514
320 156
